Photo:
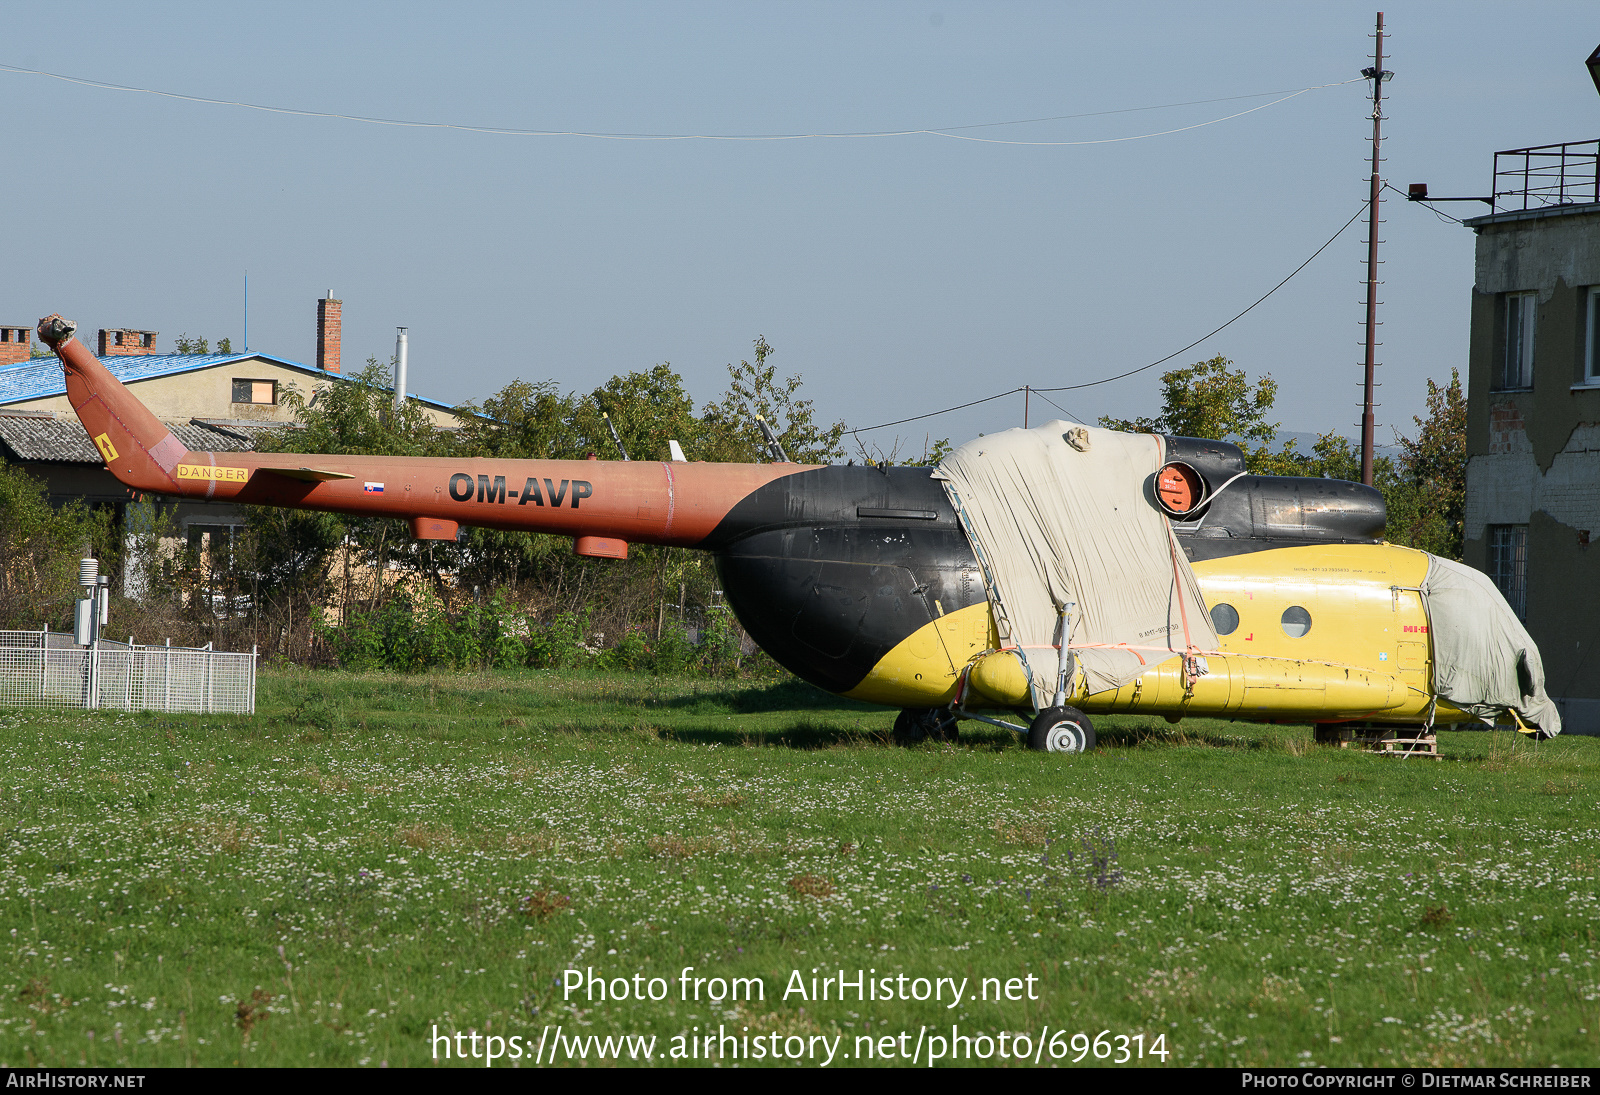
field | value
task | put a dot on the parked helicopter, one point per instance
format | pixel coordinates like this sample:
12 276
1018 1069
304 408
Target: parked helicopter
867 582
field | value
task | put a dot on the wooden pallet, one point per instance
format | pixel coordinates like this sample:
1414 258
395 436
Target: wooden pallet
1389 741
1409 743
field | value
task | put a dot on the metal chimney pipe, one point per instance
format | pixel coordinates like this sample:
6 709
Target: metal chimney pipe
399 368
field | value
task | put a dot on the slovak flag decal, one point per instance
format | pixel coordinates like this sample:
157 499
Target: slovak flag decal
373 488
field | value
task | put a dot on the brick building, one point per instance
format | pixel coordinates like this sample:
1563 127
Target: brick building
1533 417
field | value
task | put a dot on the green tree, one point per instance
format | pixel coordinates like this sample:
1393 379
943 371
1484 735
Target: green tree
648 409
1435 465
730 431
186 345
535 420
896 455
523 421
39 551
357 416
1213 400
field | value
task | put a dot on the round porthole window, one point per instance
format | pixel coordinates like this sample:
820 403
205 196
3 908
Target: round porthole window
1225 618
1296 621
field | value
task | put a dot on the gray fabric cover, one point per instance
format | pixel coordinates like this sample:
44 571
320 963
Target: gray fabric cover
1063 515
1484 662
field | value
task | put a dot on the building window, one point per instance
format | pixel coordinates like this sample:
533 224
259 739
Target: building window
255 391
1508 565
211 538
1516 364
1591 347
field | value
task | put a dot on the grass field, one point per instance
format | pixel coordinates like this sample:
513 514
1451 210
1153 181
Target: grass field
373 857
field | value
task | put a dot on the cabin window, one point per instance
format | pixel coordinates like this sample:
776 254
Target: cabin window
1225 618
1516 363
1296 621
1508 565
255 391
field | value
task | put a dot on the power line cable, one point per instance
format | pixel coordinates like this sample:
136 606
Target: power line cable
1142 368
951 132
1136 109
933 414
1119 140
1225 326
1059 407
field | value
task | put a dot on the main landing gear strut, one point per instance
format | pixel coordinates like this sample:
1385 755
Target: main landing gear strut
1053 730
918 724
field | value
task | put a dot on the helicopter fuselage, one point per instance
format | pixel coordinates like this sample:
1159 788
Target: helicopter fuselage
863 581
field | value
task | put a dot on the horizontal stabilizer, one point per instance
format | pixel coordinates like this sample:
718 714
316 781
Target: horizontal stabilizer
309 475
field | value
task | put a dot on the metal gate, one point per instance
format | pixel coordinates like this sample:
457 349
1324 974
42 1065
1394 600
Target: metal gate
45 669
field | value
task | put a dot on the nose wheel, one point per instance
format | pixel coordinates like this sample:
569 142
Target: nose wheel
1061 730
918 724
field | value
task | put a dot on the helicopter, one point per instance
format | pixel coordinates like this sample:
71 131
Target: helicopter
1281 603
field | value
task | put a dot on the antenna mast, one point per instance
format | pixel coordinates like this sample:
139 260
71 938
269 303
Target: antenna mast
1377 75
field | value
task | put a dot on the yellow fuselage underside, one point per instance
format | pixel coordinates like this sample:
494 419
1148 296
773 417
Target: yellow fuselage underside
1365 655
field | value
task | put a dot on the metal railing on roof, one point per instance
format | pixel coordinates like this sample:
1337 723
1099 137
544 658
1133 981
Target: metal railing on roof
1547 175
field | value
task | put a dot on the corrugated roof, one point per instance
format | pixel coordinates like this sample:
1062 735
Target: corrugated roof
43 377
64 440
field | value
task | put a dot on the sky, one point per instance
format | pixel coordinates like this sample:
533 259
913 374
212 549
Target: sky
895 274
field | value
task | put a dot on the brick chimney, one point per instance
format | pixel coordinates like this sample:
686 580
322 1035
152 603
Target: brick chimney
14 345
328 332
126 342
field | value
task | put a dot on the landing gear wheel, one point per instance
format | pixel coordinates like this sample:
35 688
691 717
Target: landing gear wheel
917 724
1061 730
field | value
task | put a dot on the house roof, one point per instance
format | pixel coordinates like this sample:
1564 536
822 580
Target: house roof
43 437
43 377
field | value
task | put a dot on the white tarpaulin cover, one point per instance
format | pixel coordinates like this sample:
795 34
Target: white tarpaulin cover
1483 659
1064 515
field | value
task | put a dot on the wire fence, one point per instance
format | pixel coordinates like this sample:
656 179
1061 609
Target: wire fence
45 669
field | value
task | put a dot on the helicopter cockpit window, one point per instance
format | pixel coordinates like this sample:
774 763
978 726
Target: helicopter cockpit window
1225 618
1296 621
